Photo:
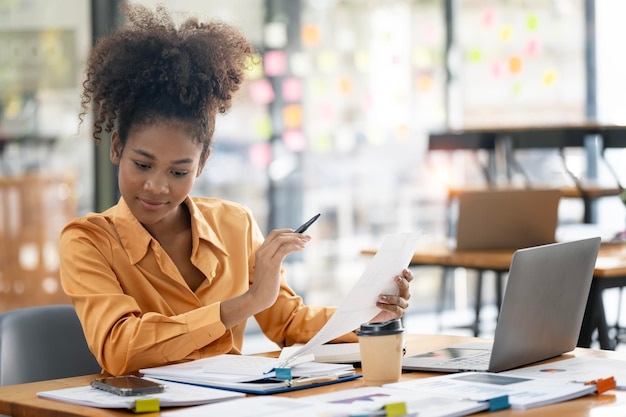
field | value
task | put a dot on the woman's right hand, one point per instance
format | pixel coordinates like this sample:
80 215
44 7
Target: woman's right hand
268 262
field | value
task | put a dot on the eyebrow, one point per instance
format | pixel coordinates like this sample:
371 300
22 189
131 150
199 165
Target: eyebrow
152 157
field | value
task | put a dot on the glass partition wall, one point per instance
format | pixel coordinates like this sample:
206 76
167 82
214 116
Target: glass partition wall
45 164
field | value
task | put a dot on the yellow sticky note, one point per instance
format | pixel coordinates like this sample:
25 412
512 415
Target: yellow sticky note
395 409
254 67
326 61
146 405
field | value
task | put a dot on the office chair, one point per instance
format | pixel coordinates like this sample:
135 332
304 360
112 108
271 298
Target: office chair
40 343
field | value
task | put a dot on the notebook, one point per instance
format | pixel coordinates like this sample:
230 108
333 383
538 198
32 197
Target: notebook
541 313
506 218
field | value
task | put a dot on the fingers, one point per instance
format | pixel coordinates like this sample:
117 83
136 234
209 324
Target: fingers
406 275
403 281
392 301
393 310
280 243
397 305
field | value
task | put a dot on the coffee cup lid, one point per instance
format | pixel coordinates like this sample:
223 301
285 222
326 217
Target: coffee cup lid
382 328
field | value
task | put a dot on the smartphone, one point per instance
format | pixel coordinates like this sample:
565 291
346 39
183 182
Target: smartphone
128 385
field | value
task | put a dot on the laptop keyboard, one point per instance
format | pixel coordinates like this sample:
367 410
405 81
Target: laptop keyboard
479 361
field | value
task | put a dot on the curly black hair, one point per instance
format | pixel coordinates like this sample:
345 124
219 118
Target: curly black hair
150 70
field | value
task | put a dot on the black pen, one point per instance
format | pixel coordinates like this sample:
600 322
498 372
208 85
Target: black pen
306 225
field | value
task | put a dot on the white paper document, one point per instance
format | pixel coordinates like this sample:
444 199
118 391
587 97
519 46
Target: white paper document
370 400
581 369
345 403
238 368
359 306
523 393
174 395
331 352
260 406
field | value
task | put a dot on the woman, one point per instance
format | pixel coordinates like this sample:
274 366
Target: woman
162 277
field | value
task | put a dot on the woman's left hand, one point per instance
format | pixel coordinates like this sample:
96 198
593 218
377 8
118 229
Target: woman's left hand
394 306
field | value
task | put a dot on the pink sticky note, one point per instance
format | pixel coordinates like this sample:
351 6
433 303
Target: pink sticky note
261 91
275 63
260 154
292 89
294 140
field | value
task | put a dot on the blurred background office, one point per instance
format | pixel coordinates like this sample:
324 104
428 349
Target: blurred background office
334 119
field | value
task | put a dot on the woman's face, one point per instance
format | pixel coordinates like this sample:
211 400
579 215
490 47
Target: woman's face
158 167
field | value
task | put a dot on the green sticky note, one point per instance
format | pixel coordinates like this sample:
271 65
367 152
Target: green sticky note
146 405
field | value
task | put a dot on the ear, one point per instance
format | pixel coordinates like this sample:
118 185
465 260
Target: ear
203 160
115 154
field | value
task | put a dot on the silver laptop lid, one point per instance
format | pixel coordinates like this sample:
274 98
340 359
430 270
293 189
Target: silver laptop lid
544 302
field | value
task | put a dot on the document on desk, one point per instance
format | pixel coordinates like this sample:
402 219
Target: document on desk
370 401
175 395
359 306
582 368
522 392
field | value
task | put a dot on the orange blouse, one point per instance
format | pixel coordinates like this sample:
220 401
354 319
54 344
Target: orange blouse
137 310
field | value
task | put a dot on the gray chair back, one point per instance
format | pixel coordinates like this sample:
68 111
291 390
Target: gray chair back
40 343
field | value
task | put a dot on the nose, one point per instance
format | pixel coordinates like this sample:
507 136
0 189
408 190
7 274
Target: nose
156 184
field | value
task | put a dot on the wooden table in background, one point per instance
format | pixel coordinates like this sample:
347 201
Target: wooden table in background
513 138
21 400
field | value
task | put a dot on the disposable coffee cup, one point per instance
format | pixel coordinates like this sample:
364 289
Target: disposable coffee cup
381 345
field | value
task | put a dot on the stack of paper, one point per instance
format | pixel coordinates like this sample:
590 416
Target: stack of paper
252 374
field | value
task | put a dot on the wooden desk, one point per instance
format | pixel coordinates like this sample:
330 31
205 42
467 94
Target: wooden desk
21 400
609 272
588 191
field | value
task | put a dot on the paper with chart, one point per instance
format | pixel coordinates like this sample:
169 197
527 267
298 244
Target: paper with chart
359 306
580 368
523 393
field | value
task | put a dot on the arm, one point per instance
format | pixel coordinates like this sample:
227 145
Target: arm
267 282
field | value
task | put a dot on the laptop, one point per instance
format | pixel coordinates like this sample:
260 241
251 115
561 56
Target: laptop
506 218
541 314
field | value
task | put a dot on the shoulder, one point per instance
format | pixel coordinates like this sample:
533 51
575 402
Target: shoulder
210 207
224 217
92 226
